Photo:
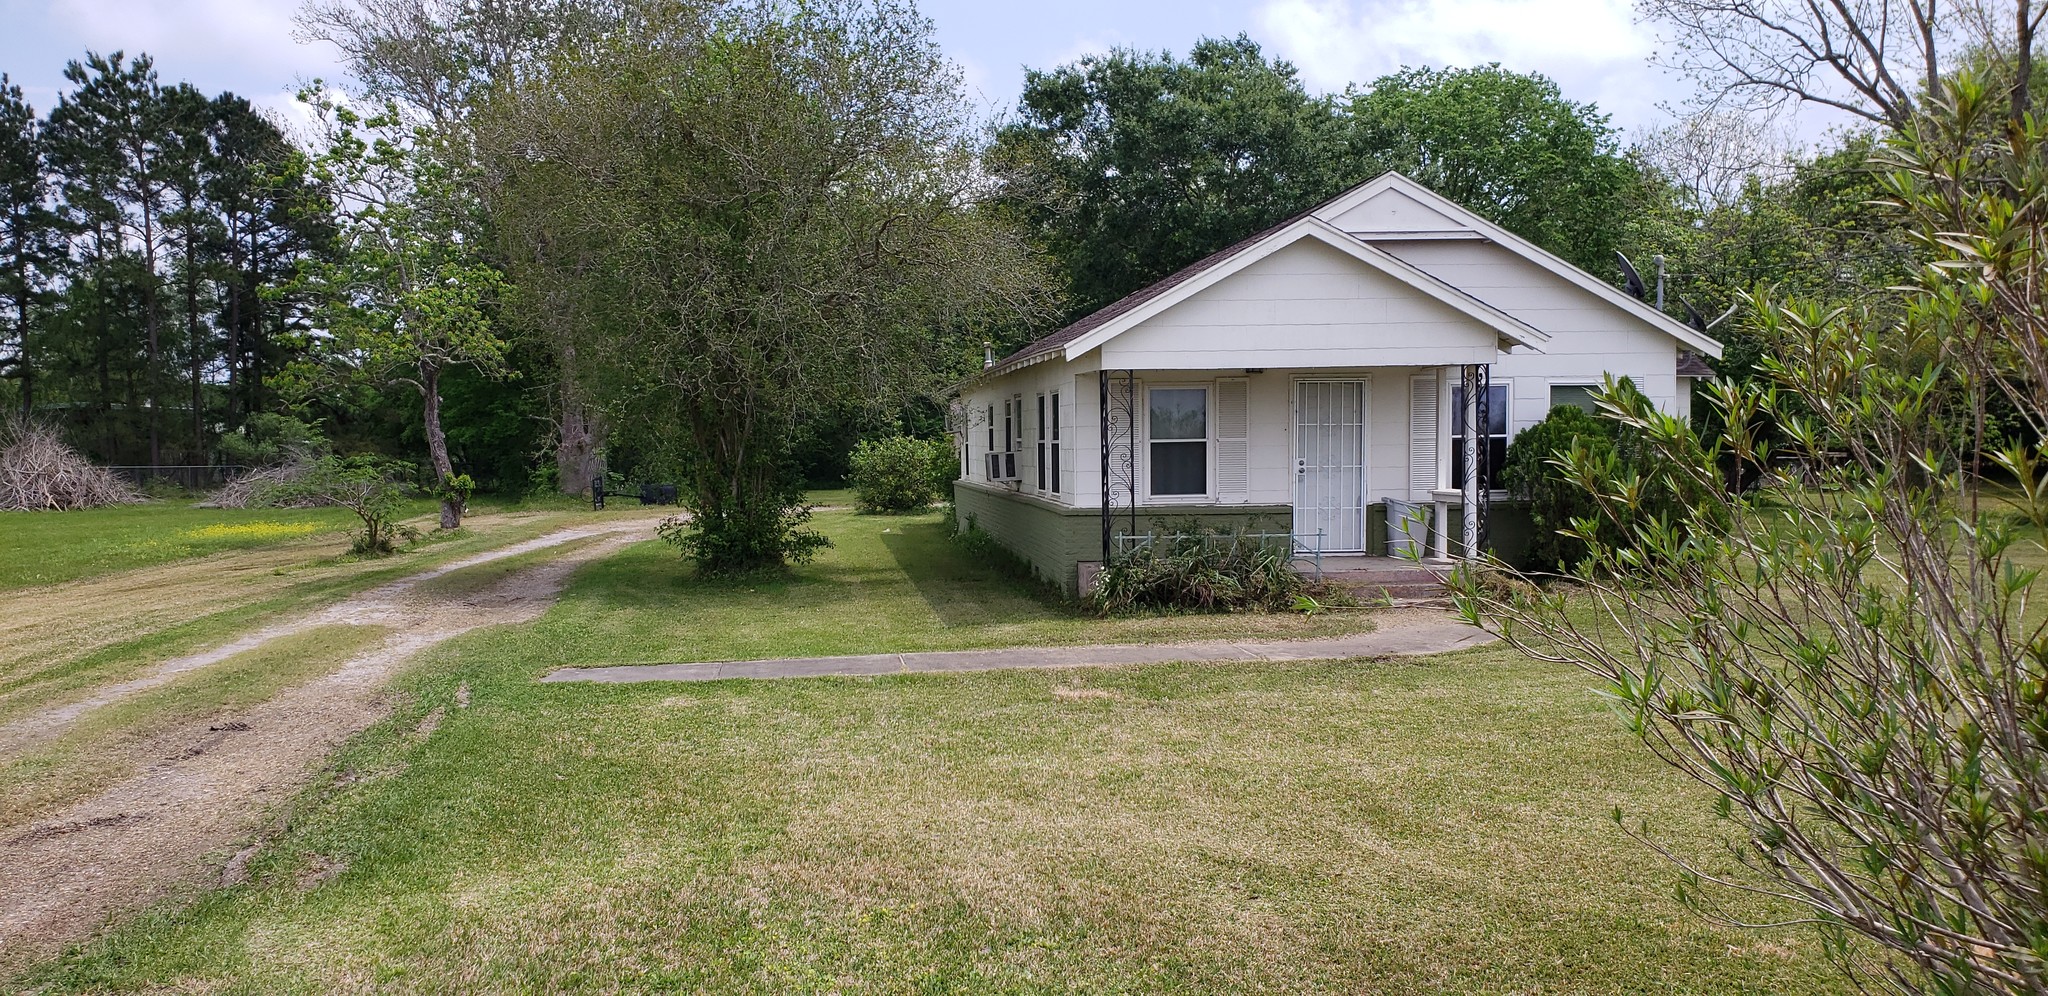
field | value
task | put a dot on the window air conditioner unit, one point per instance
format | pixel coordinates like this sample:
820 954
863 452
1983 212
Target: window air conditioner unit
1002 466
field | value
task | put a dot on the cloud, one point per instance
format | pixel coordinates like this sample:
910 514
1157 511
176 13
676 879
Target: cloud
249 41
1593 48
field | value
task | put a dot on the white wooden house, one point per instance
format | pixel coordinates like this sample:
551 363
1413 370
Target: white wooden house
1294 382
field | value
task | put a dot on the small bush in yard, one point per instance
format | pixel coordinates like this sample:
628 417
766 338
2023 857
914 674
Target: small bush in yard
1205 572
900 473
372 488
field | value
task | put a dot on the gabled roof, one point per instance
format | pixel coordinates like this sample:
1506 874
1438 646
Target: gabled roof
1045 347
1447 220
1463 218
1109 321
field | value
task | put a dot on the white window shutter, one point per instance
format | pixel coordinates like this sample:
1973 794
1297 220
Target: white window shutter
1232 419
1422 436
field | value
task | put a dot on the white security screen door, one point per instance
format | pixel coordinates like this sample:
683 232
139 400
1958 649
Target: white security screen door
1329 462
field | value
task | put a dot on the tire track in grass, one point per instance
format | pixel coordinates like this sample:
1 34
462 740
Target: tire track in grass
389 604
141 840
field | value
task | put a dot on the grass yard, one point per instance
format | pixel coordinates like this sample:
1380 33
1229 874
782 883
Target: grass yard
1434 826
1423 825
38 548
58 639
889 584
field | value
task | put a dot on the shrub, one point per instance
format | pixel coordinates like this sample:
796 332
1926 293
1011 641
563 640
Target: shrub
742 547
1531 474
1203 571
268 439
900 473
371 487
1557 464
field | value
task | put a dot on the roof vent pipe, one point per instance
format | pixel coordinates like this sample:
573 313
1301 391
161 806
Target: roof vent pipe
988 354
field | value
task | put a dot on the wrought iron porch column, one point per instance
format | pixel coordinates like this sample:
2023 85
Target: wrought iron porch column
1471 492
1102 392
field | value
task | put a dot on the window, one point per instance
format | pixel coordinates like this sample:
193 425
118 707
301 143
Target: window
1053 460
1009 426
992 429
1578 396
1495 438
1041 442
1178 419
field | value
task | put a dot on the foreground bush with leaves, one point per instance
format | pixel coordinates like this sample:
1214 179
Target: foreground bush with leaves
1845 656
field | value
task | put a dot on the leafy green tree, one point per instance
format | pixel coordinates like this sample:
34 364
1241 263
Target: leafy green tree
1131 165
402 294
29 239
1847 657
107 139
1507 145
792 226
442 58
268 219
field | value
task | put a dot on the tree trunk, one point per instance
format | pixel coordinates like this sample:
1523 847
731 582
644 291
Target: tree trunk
28 370
577 460
437 448
150 318
198 365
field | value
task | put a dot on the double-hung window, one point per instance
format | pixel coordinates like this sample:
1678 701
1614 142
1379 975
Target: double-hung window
1052 460
1178 431
1493 437
1039 466
1578 396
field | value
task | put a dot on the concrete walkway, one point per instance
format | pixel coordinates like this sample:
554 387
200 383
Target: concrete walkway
1434 635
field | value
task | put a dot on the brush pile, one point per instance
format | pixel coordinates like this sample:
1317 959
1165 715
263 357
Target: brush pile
266 487
39 473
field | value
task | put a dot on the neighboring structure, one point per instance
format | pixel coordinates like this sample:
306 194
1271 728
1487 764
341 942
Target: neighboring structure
1295 381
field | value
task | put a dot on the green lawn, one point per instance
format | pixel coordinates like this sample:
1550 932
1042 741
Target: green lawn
48 547
1329 827
888 584
1433 825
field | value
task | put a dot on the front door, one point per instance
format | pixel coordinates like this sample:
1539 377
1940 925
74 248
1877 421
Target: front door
1329 462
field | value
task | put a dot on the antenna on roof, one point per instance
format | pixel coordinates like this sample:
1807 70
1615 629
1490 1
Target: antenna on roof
1698 321
1634 279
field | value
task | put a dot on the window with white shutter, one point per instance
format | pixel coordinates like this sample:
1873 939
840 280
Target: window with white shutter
1422 436
1233 439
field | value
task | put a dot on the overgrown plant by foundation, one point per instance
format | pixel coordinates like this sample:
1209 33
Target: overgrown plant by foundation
1204 571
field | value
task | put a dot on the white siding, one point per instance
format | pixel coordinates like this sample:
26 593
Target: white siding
1589 336
1307 305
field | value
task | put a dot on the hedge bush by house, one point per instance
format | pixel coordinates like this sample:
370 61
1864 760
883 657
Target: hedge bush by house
900 473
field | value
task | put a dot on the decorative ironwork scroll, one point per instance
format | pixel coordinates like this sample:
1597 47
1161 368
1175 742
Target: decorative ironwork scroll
1119 393
1477 382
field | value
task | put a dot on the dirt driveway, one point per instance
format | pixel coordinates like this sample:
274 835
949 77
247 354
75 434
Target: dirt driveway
143 838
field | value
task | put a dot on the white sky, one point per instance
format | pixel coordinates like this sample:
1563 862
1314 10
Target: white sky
1593 48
